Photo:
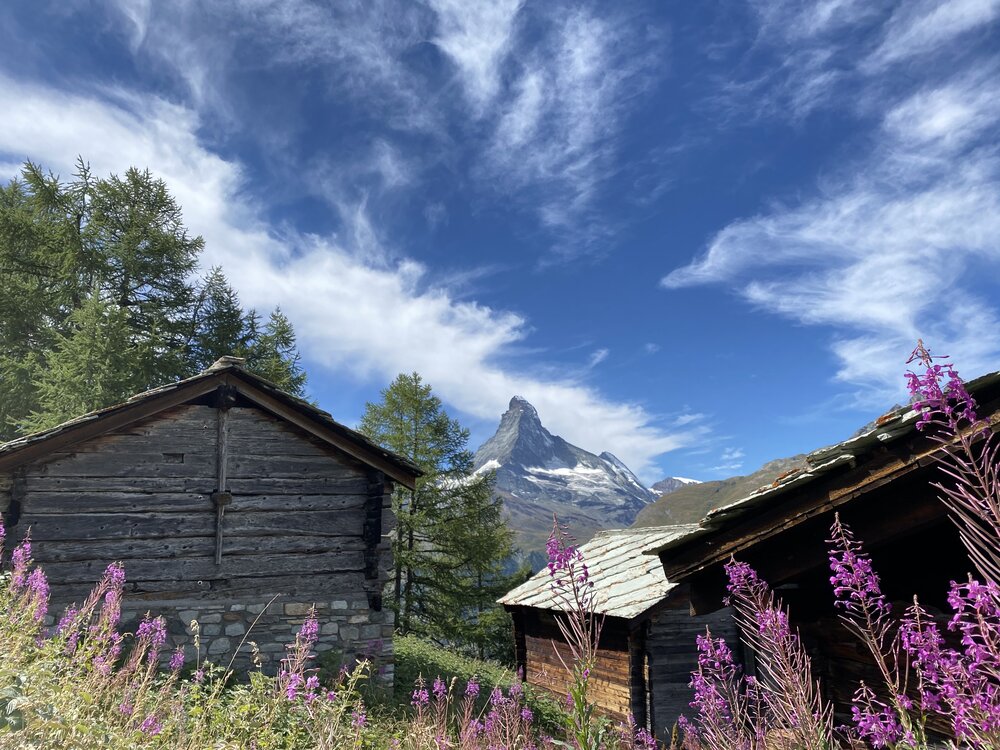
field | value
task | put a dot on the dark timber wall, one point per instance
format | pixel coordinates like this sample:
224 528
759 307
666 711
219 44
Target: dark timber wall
644 666
673 655
306 524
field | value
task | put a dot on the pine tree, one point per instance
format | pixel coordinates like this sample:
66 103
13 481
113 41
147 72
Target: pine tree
89 367
220 326
272 353
451 539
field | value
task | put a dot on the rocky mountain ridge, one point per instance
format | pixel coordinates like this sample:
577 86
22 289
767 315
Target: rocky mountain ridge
538 474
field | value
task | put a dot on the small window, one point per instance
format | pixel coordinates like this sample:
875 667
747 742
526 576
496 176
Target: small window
173 458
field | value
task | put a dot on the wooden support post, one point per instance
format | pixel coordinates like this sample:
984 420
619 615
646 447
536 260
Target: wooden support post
225 397
372 532
638 677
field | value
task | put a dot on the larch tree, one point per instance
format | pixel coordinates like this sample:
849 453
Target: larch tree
108 262
451 540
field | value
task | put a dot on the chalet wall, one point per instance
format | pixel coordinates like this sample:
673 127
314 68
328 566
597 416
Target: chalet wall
608 686
673 656
303 526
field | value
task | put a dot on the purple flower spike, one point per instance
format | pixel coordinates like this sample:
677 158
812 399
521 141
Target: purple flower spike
177 659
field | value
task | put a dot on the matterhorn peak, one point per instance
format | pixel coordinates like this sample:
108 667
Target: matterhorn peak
538 474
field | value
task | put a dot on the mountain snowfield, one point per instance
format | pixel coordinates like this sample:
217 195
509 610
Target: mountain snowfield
539 474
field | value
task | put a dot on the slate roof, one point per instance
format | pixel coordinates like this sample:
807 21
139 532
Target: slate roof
890 427
626 582
225 368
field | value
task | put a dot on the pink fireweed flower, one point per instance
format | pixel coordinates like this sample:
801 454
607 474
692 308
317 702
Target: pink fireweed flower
151 726
309 631
526 715
472 688
177 659
938 391
199 676
420 697
66 620
153 633
114 575
359 719
20 561
38 594
439 689
876 721
855 582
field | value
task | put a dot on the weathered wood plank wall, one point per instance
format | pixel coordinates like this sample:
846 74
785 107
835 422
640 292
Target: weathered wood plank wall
296 526
673 656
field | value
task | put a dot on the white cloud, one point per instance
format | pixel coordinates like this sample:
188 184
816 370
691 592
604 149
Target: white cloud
597 356
369 320
557 133
476 35
886 252
729 462
921 26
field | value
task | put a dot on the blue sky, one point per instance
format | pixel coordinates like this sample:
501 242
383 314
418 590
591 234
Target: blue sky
698 235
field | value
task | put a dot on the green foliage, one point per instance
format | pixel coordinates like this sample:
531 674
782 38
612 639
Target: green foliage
90 364
271 352
451 537
99 300
417 657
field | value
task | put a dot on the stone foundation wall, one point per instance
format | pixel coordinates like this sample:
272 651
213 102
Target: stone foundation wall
349 631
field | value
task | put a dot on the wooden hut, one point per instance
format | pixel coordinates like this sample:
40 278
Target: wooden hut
647 642
228 501
879 481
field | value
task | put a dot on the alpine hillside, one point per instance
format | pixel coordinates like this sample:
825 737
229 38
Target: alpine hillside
538 474
672 484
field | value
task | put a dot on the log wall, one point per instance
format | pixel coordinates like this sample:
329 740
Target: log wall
306 524
608 686
672 656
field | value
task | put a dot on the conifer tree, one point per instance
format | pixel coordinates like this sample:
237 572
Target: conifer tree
89 367
451 540
271 352
220 326
110 259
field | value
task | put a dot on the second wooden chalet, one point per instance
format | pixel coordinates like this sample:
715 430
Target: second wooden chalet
881 483
228 502
647 643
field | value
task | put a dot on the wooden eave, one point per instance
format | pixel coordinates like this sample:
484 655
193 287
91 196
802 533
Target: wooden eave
257 390
823 495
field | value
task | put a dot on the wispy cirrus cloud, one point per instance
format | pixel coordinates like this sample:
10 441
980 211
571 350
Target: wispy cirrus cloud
477 35
892 246
557 134
541 111
924 26
368 319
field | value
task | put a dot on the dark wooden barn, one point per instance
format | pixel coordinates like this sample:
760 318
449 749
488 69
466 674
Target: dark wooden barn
647 643
879 481
219 494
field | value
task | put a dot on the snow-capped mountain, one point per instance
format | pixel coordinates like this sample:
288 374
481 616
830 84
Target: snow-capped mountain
539 474
671 484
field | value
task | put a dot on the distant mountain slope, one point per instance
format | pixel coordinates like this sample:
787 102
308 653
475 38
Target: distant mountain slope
690 503
539 474
672 484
